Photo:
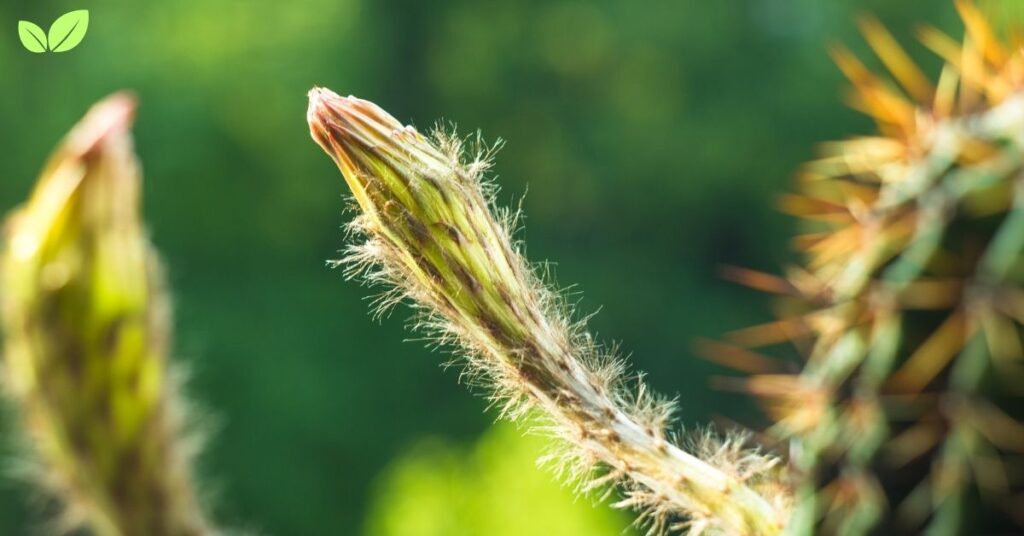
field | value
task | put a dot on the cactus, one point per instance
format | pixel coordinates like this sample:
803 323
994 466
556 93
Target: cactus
906 313
906 417
86 327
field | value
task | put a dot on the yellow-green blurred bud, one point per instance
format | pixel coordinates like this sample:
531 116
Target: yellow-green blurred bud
86 325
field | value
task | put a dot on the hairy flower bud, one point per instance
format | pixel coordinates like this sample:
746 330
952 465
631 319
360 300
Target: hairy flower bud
434 238
86 327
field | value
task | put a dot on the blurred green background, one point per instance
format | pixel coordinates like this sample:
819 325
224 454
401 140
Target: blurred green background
652 137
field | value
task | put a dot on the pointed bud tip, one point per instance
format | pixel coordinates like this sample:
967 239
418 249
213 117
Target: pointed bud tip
350 129
349 116
317 96
112 116
335 122
325 104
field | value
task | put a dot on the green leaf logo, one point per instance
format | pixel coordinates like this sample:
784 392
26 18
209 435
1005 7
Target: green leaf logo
32 36
66 33
68 30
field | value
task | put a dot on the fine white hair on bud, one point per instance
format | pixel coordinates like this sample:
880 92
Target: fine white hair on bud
434 238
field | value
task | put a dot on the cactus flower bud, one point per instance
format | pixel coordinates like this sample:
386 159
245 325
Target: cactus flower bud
434 238
86 328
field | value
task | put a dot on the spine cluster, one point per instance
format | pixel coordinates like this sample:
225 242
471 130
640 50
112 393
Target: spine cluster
906 417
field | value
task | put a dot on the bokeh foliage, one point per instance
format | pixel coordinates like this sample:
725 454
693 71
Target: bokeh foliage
652 136
438 489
